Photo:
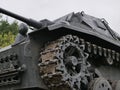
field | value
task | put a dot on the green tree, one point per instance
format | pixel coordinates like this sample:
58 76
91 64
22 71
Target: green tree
8 32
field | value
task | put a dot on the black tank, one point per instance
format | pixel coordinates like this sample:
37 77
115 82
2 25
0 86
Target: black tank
74 52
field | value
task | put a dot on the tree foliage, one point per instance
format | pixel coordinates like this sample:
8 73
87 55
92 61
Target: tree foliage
8 32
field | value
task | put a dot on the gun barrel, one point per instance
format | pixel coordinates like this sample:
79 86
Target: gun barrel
30 22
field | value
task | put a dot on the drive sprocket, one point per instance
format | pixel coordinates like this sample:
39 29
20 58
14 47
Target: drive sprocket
64 64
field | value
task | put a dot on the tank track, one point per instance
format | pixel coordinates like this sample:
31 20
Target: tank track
52 69
111 56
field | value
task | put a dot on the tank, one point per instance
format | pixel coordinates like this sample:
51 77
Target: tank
74 52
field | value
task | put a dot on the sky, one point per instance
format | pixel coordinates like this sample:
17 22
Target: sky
53 9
